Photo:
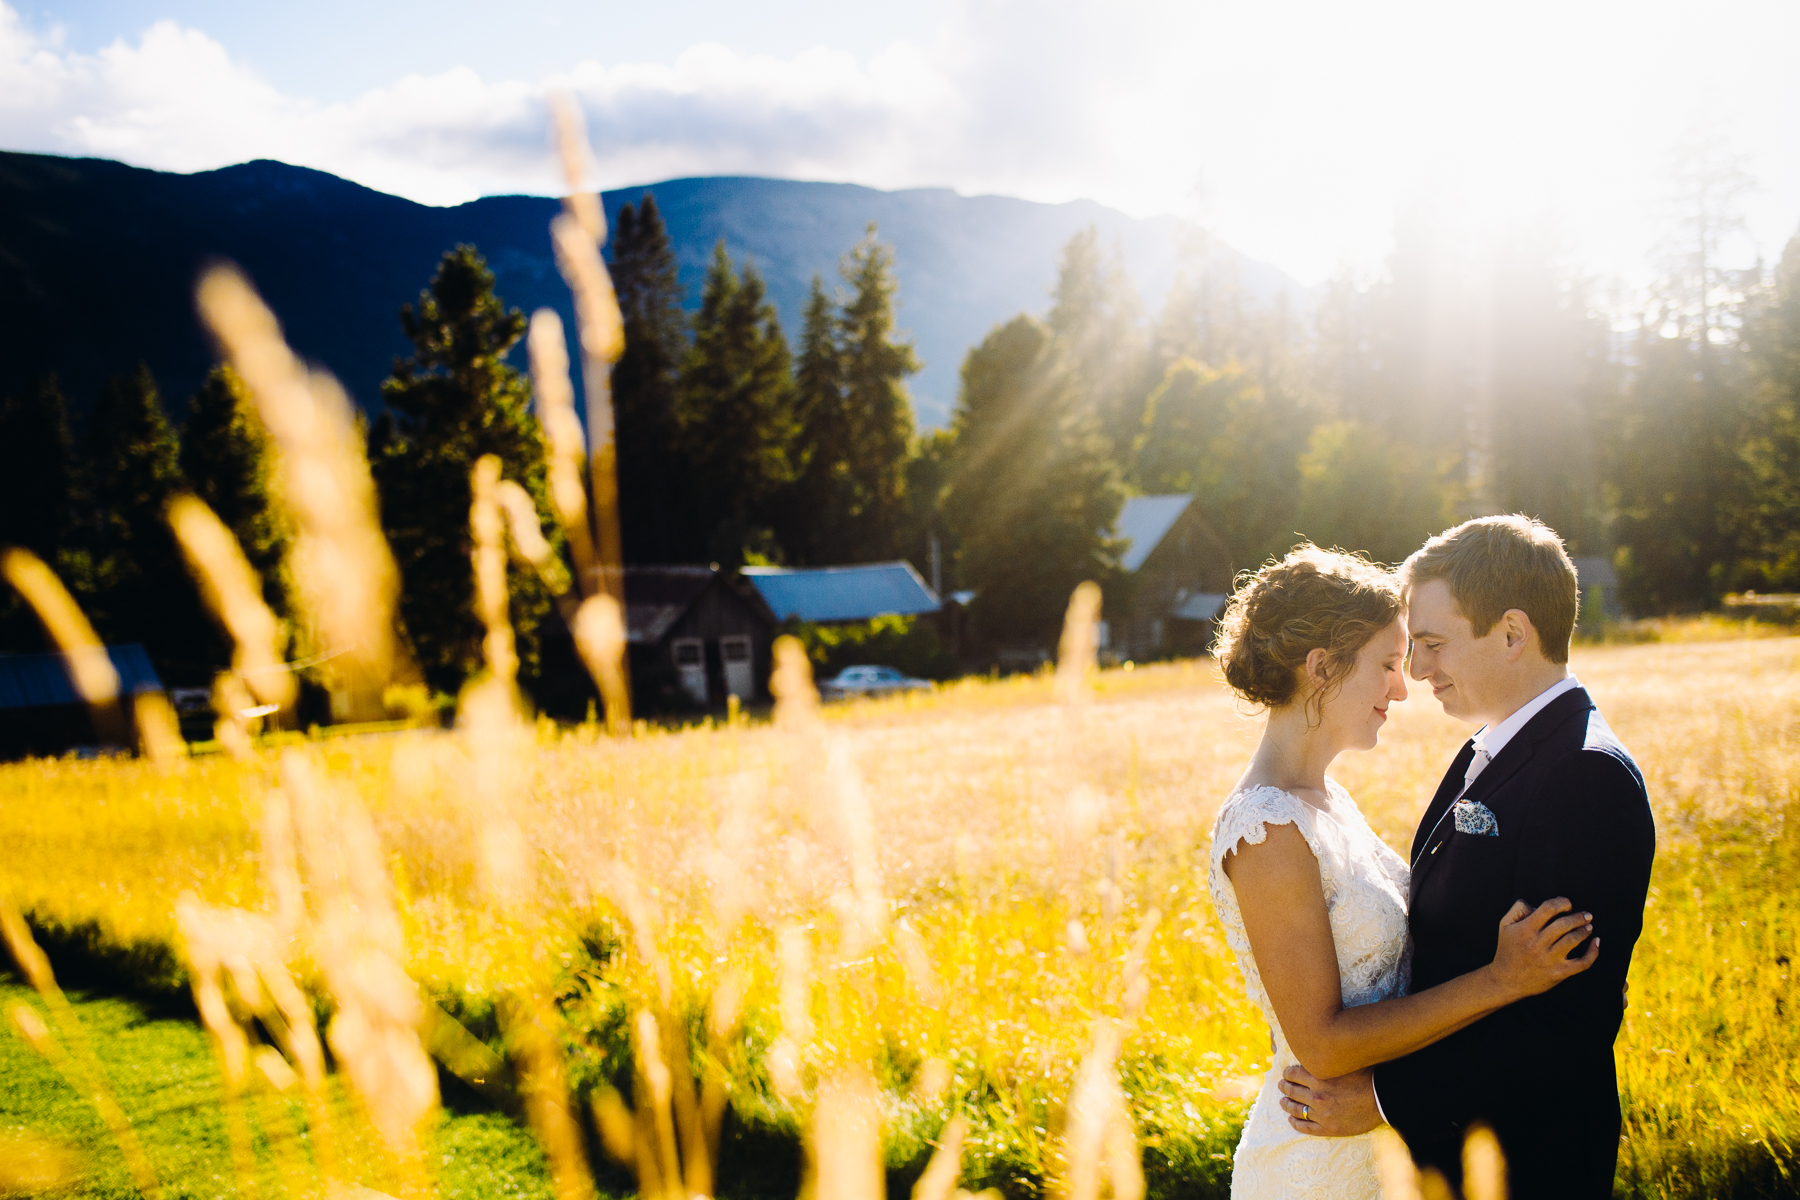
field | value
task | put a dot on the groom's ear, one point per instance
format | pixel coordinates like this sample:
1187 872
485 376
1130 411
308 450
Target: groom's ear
1519 633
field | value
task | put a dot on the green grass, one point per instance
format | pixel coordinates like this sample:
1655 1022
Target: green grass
161 1071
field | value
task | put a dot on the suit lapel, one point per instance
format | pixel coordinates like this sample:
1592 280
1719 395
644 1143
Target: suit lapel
1434 813
1520 750
1436 829
1446 792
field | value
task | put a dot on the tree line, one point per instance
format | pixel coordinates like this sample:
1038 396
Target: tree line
1464 379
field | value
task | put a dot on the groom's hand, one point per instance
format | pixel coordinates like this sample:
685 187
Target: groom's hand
1341 1107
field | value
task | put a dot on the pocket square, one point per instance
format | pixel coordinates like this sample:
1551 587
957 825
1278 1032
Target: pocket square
1472 816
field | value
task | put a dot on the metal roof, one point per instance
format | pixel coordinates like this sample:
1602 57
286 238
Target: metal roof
843 593
42 680
658 596
1595 572
1202 606
1144 520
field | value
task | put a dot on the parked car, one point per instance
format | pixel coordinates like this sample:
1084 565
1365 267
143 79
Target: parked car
870 681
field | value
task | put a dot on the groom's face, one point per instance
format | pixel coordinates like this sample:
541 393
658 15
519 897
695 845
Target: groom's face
1466 673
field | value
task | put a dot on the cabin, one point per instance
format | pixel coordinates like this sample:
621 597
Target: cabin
1597 580
1179 571
831 595
694 640
41 713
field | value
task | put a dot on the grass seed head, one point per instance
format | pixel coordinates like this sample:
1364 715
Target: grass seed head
233 591
346 582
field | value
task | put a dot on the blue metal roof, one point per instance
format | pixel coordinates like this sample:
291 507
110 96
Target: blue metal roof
1144 520
843 593
43 681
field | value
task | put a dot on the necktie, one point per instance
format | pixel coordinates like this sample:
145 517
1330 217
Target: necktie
1476 766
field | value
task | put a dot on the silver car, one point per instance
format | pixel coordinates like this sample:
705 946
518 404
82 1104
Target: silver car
870 681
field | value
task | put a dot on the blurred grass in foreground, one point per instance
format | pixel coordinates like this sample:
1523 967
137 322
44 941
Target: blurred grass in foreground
1023 849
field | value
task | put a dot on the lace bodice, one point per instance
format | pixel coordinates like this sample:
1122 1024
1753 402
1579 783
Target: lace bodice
1365 885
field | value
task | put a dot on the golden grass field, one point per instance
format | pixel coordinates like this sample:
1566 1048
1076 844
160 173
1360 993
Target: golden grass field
939 894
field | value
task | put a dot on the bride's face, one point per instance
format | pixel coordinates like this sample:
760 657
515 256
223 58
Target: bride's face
1359 709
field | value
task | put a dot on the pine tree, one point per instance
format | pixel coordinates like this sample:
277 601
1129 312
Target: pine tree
653 488
1033 489
38 489
225 456
734 414
36 471
145 593
1095 318
453 401
811 525
872 468
1771 450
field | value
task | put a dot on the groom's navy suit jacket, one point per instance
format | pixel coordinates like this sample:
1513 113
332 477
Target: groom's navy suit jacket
1574 820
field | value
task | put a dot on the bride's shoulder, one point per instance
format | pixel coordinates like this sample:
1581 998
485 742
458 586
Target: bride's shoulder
1248 807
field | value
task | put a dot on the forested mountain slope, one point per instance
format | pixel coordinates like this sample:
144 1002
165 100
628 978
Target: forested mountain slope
97 261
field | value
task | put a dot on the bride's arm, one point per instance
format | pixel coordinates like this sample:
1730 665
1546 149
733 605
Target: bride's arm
1283 906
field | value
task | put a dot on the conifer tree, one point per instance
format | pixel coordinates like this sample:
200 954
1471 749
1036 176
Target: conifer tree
454 400
870 466
811 526
1771 452
653 487
38 489
144 591
225 456
1095 320
1033 490
735 414
36 470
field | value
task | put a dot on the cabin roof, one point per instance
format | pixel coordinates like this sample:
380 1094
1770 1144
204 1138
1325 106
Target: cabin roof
1201 606
1595 572
656 597
43 680
853 593
1144 521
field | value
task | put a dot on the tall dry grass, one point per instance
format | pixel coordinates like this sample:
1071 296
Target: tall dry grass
1018 848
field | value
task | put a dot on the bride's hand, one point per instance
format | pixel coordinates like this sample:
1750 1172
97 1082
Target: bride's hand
1533 954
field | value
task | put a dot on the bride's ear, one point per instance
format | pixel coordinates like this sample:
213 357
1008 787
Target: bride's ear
1316 668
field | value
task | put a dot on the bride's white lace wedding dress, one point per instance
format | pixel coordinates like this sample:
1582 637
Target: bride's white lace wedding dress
1365 886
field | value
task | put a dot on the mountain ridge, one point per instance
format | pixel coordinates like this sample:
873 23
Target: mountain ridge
97 261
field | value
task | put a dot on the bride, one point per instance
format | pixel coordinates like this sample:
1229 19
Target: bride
1313 903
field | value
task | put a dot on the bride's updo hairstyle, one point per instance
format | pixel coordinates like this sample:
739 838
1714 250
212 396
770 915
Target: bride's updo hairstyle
1312 599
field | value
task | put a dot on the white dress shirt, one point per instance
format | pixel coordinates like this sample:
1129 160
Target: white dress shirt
1489 741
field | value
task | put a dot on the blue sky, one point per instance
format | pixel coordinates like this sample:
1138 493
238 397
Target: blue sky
337 49
1296 130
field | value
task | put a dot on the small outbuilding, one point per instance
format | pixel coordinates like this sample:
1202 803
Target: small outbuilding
693 639
1596 575
1180 577
41 713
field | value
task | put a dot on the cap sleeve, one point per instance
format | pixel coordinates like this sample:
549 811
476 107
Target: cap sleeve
1246 817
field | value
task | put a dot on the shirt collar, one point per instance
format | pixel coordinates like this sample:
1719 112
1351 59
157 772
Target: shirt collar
1493 738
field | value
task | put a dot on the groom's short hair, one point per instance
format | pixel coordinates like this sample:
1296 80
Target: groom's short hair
1493 564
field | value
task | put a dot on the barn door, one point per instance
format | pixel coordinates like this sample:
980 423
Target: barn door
740 678
690 667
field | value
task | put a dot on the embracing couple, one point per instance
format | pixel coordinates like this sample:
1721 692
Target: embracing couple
1482 981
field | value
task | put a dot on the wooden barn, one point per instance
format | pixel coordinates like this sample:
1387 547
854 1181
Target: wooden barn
694 639
42 715
1180 574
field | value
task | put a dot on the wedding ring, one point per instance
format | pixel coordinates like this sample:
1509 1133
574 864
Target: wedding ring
1306 1112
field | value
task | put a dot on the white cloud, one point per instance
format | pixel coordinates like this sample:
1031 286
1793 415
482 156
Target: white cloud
1309 124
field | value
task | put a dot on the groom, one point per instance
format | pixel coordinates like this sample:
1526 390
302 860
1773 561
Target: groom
1543 801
